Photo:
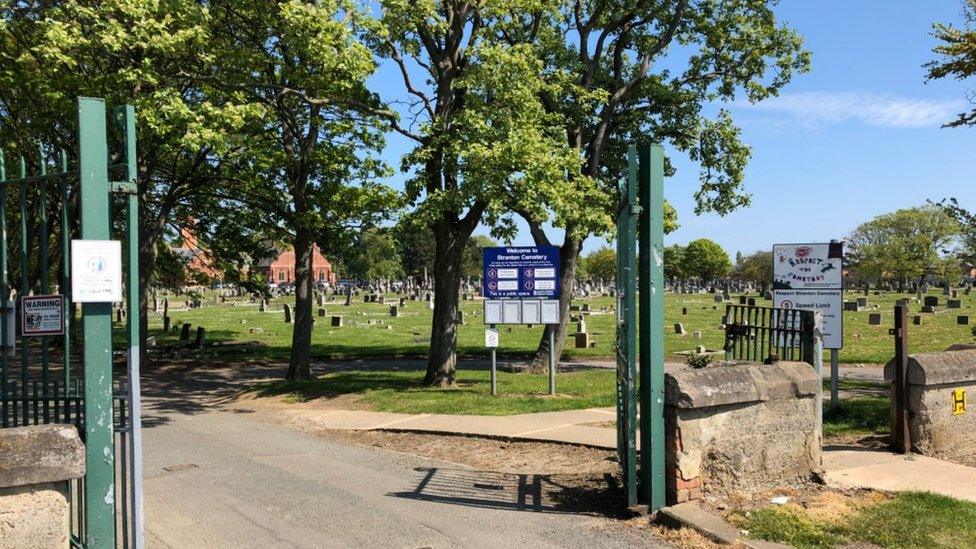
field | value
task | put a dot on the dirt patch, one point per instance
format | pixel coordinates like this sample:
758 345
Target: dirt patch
250 401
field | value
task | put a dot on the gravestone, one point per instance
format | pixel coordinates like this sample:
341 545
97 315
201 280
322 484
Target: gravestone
862 302
962 320
874 319
931 301
321 311
684 310
917 320
394 311
348 296
201 337
751 301
697 335
263 307
321 299
742 300
582 340
460 316
679 328
336 321
166 322
119 314
287 314
928 309
185 332
851 306
903 302
954 303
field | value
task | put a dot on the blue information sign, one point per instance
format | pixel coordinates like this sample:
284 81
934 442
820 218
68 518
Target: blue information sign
520 272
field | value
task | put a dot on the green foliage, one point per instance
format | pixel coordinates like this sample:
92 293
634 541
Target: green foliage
698 361
674 258
601 264
957 56
705 259
756 267
902 245
473 261
376 256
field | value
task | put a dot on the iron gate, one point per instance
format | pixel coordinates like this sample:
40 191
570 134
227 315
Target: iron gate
66 379
762 333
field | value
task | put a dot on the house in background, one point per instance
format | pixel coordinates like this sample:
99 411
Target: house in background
280 269
197 261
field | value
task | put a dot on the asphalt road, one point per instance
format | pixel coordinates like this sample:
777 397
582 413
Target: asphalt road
221 479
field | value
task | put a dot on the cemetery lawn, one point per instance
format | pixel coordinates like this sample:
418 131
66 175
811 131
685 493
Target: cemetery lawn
369 331
401 392
864 409
906 519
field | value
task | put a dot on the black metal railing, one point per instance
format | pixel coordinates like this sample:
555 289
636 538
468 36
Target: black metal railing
762 334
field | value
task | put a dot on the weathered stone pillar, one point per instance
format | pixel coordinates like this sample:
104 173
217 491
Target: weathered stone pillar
35 462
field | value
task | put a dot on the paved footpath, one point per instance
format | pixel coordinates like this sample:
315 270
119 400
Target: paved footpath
861 468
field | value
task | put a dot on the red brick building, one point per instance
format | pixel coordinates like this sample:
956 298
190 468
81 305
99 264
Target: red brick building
198 261
281 269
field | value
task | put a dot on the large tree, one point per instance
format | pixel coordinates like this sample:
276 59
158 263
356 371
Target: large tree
756 267
902 245
957 57
705 259
124 51
480 136
307 171
623 72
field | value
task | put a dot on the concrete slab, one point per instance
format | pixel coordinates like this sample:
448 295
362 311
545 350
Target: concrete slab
857 468
691 515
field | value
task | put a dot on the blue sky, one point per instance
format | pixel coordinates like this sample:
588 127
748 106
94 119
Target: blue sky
856 137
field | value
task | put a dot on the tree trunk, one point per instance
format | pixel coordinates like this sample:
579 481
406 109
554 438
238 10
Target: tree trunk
442 362
300 361
568 260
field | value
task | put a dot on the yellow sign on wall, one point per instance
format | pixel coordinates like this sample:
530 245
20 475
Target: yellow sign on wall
958 402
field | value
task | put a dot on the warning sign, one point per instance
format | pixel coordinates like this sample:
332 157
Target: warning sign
42 315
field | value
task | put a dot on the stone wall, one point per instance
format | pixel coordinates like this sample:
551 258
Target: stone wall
35 462
740 428
938 426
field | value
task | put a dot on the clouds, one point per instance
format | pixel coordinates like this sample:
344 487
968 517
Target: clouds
873 109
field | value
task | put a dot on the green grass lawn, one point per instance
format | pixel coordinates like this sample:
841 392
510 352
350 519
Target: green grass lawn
866 414
908 519
370 331
401 392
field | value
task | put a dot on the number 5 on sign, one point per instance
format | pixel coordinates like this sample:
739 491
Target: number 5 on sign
491 337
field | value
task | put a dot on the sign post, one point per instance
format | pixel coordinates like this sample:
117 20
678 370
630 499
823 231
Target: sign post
521 286
811 277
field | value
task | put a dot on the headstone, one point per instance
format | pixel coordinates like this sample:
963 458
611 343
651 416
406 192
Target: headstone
931 301
460 317
862 302
201 337
751 301
321 311
586 307
851 306
917 320
166 322
874 319
348 296
679 328
287 314
962 320
336 321
718 298
581 327
697 335
394 311
582 340
185 333
903 302
954 303
684 310
742 300
119 314
321 299
928 309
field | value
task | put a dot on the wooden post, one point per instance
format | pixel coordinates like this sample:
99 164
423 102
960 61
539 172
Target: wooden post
901 441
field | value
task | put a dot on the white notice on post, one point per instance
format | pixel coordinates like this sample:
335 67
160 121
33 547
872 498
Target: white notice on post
96 271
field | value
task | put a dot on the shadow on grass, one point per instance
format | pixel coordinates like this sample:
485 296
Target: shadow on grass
862 415
341 383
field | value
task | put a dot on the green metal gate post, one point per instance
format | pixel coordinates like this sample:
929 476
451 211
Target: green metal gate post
651 238
97 319
627 330
127 123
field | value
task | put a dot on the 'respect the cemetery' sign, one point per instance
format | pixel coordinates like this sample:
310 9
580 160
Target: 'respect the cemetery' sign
808 266
811 277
